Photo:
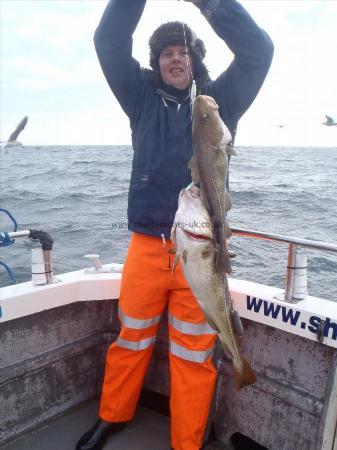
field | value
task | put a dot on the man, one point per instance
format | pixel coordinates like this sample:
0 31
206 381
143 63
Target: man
158 104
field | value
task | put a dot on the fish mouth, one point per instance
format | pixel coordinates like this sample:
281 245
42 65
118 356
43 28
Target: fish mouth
197 237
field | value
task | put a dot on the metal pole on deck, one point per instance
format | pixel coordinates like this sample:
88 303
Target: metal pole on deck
292 251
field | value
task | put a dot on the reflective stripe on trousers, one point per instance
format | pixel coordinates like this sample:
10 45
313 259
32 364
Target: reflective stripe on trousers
138 324
190 328
190 355
194 329
180 325
143 344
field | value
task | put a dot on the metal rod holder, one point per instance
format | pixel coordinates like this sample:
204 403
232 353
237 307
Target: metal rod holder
292 251
296 277
42 271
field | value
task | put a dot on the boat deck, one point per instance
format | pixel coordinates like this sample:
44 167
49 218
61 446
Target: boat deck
148 431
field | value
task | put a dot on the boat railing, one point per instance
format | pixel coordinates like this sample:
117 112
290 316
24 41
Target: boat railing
296 274
41 247
296 271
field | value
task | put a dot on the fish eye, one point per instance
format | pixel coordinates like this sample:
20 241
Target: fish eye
205 116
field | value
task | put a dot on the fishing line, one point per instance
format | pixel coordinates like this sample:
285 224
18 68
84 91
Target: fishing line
193 86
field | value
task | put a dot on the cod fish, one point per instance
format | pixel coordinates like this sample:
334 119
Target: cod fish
209 168
192 236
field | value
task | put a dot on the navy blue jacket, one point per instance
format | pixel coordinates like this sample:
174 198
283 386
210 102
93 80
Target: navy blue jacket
160 116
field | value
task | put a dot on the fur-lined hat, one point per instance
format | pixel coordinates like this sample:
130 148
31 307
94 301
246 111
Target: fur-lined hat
178 33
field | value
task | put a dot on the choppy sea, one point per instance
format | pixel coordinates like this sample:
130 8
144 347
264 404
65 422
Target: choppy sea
78 194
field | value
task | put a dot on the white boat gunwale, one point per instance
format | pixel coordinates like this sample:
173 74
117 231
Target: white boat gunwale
254 301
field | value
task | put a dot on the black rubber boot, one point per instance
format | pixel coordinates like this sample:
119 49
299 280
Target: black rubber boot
96 437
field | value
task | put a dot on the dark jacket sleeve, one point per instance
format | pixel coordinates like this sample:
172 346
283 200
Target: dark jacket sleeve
113 43
236 88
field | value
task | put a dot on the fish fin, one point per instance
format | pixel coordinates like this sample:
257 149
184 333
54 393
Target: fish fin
193 166
228 202
174 235
228 267
237 324
206 253
228 231
223 262
223 149
211 322
209 250
230 150
175 262
245 376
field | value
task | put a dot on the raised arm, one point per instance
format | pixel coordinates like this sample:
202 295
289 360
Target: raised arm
236 88
113 43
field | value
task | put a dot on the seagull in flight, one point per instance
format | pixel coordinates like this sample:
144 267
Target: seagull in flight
329 122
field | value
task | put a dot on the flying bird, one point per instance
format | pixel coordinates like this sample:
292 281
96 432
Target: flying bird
329 122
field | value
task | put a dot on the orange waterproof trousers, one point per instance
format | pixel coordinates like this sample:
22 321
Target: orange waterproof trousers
148 286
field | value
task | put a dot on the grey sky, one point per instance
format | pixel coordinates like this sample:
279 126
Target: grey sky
49 71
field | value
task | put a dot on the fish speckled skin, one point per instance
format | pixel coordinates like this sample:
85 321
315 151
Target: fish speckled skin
193 238
209 168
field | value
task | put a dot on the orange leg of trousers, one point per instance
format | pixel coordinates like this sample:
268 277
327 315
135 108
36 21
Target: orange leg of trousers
192 383
148 286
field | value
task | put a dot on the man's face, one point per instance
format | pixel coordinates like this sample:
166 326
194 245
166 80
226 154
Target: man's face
175 65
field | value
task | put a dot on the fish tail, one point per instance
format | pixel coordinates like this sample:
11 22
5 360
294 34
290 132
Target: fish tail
244 376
